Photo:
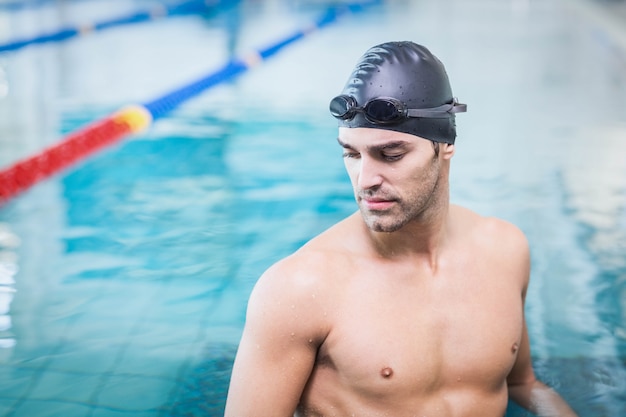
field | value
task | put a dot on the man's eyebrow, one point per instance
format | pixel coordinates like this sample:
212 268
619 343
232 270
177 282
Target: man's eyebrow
388 145
378 148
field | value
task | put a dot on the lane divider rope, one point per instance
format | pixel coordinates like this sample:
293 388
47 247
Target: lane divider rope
16 5
190 6
134 119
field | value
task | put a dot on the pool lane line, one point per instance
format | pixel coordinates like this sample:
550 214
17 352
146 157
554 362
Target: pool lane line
23 4
134 119
605 22
157 12
164 104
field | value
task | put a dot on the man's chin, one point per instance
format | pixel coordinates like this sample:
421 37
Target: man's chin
378 223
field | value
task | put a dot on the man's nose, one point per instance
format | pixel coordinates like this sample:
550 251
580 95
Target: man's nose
369 174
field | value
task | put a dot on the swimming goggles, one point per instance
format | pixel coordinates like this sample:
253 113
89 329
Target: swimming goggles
387 110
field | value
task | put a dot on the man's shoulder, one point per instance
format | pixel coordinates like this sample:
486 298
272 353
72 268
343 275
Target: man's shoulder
495 232
500 238
318 259
318 264
293 295
496 241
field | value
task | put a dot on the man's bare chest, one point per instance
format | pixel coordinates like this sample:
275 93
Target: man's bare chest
420 339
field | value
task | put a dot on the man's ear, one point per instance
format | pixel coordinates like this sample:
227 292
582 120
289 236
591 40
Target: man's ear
448 150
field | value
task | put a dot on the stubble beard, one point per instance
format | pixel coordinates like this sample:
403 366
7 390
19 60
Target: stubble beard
404 212
412 208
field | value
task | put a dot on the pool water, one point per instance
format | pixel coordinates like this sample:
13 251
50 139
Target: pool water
124 280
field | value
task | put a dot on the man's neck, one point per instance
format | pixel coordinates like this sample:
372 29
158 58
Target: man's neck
421 238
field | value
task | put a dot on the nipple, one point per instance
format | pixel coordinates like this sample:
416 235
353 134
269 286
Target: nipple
514 348
386 372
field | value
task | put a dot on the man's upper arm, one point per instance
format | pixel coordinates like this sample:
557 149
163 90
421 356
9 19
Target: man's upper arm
278 347
510 250
522 373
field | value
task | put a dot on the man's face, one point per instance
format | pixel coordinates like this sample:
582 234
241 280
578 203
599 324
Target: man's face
394 175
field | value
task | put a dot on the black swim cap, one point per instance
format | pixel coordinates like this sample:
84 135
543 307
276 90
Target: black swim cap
408 76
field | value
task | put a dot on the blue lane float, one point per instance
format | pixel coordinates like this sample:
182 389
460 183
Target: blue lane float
16 5
157 12
162 105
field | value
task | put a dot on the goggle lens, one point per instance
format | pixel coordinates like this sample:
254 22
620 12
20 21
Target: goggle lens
385 110
342 107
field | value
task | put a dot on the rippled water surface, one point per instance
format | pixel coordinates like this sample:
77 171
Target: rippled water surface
124 279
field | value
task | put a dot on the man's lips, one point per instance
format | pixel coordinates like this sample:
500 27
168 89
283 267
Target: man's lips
377 203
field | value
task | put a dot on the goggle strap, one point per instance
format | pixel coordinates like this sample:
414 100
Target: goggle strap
440 112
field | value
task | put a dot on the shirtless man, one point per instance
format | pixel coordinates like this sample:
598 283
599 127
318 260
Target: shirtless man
409 307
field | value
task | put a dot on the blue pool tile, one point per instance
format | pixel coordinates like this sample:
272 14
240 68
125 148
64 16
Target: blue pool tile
62 386
21 379
6 405
135 393
106 412
36 408
140 362
28 353
85 358
173 330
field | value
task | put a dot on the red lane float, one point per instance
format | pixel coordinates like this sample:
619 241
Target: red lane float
76 146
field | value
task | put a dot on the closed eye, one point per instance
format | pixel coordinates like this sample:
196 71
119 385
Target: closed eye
391 152
393 157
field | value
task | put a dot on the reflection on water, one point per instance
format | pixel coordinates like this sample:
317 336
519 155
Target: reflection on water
8 269
596 197
595 387
593 180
